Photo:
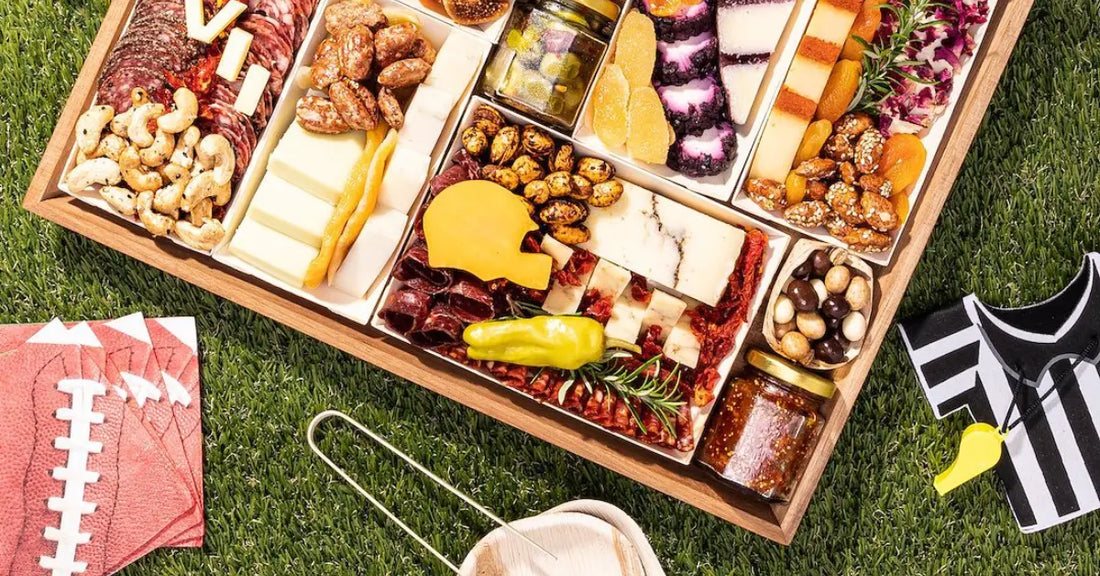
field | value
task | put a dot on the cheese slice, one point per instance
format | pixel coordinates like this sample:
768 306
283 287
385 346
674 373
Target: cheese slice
609 280
317 163
252 89
565 299
276 254
370 253
626 319
234 54
557 250
457 63
210 30
425 119
682 346
194 17
290 210
664 310
405 176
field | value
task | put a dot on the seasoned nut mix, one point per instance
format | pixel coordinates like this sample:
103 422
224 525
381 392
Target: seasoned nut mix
403 73
394 43
560 183
488 120
839 148
563 211
836 226
356 52
847 172
527 168
769 194
869 151
390 109
808 214
817 168
605 194
867 240
537 142
501 175
816 190
879 212
562 160
576 234
844 200
877 184
537 191
853 124
582 188
318 114
505 145
474 141
595 170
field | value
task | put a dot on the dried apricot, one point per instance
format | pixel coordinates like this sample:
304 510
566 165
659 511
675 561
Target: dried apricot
636 49
796 188
866 24
901 206
812 141
839 90
610 98
646 127
902 161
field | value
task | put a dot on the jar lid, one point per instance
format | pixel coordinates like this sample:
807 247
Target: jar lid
605 8
785 371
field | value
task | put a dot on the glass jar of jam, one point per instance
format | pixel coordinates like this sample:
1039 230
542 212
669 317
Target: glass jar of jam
767 426
549 57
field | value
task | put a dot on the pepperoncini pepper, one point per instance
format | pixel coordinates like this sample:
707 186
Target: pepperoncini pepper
565 342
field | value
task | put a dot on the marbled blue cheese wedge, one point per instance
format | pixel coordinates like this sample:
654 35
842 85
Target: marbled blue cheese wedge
562 298
664 310
682 346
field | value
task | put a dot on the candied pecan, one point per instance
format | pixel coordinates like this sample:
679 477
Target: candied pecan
768 194
836 226
844 200
867 240
807 214
355 104
318 114
879 212
340 16
838 147
869 151
877 184
816 168
390 108
326 64
356 52
404 73
847 172
853 124
424 50
394 43
816 189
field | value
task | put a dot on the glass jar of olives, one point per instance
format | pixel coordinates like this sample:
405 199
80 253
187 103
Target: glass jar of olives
766 427
549 57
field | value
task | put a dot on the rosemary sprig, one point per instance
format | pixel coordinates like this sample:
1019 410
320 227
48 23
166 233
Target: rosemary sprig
884 62
660 396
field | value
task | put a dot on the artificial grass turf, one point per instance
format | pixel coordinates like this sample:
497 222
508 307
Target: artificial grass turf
1024 210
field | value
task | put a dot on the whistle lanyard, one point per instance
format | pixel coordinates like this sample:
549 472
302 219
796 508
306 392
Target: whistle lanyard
1059 386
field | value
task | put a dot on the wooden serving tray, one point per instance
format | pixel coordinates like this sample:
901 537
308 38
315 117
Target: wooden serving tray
690 484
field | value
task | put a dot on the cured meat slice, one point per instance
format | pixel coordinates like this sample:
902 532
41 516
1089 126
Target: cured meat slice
414 264
405 310
469 301
440 328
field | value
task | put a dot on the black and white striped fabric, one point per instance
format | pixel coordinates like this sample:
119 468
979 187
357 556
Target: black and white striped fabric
972 356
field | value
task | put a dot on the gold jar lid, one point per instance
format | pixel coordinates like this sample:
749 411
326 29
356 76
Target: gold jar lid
605 8
787 372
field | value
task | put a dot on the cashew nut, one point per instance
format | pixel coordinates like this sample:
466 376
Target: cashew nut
110 146
174 172
102 171
120 124
167 200
187 109
139 97
156 224
183 155
138 130
122 200
205 185
90 126
201 211
137 178
162 147
215 153
205 237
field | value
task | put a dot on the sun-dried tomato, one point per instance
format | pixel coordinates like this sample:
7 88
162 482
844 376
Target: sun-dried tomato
639 288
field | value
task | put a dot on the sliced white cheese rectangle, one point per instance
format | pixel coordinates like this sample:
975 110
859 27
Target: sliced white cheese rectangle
457 63
286 208
681 345
317 163
277 254
609 280
234 54
405 176
664 310
752 28
626 319
210 31
556 250
565 299
193 16
252 89
370 253
425 119
666 242
830 23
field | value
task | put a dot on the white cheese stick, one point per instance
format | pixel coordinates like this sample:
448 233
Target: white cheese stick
405 176
252 89
234 54
210 30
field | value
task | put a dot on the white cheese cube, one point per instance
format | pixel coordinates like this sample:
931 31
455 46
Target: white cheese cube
664 310
234 54
277 254
405 176
193 16
457 63
210 31
290 210
317 163
682 346
425 119
252 89
556 250
565 299
626 319
370 253
609 280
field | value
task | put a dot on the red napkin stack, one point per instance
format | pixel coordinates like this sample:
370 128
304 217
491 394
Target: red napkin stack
100 444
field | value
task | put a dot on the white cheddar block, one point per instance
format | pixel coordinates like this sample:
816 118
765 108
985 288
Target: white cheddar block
664 310
234 54
808 78
405 176
682 346
370 253
277 254
609 280
252 89
778 146
626 319
317 163
830 23
210 31
290 210
193 16
556 250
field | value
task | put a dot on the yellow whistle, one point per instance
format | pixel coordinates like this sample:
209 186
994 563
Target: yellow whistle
979 450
